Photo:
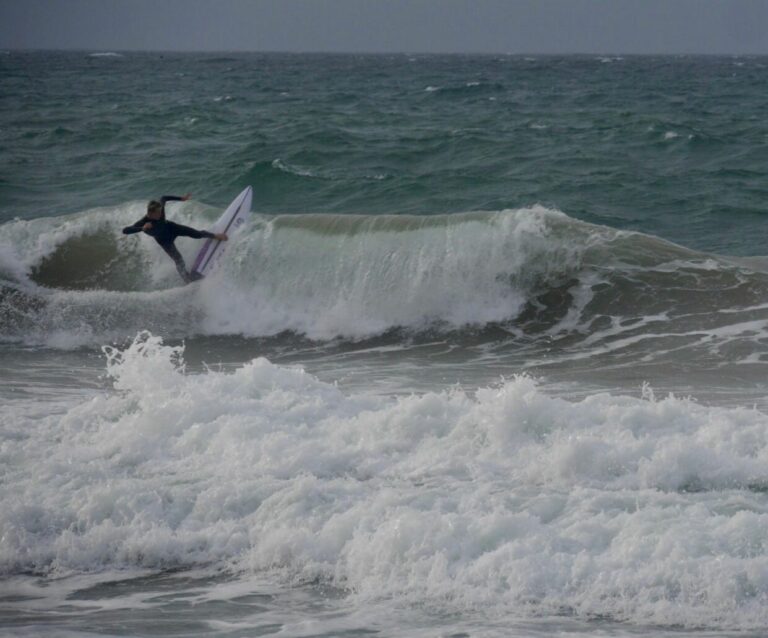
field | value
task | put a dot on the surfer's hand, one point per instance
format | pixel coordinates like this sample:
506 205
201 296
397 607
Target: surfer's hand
186 197
147 226
221 236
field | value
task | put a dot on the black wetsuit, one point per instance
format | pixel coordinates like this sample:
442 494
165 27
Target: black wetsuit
165 233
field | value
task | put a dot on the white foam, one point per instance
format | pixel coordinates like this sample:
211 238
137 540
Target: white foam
469 271
510 501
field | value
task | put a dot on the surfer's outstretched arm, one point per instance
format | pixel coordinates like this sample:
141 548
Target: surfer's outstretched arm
174 198
171 198
136 227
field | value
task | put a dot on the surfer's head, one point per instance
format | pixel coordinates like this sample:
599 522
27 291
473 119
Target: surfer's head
155 210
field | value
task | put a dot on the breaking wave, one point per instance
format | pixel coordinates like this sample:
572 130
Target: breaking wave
76 280
511 501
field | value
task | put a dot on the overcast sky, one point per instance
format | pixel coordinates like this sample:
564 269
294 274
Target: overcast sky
474 26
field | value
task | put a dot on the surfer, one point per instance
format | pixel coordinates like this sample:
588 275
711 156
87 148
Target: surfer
165 232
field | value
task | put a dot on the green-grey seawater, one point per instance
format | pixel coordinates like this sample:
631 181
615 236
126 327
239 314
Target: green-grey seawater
671 146
426 393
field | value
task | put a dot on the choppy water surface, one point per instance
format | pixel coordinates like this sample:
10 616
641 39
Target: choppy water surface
428 392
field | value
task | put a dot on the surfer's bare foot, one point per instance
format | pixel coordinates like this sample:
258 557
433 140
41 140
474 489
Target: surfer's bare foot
221 236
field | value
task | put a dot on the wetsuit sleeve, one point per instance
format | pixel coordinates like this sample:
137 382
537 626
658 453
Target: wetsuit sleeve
169 198
186 231
135 227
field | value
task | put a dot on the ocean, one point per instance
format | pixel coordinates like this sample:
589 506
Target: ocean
489 358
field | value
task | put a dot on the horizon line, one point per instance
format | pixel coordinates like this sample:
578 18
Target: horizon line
377 53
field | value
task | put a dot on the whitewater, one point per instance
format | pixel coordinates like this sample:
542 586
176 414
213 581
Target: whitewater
488 359
507 500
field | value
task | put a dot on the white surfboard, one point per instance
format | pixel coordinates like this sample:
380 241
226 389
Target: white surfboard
230 221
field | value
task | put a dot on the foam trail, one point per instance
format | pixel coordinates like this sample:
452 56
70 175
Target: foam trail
511 501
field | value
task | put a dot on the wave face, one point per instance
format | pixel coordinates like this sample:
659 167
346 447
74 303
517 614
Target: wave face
320 275
75 280
509 500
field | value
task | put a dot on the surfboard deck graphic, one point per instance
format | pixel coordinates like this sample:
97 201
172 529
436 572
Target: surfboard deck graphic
230 221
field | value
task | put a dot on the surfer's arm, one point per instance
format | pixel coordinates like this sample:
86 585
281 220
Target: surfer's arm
174 198
136 227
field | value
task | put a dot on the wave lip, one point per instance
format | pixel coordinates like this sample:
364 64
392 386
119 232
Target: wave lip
641 510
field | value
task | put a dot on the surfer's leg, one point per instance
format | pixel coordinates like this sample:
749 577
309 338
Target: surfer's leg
181 267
